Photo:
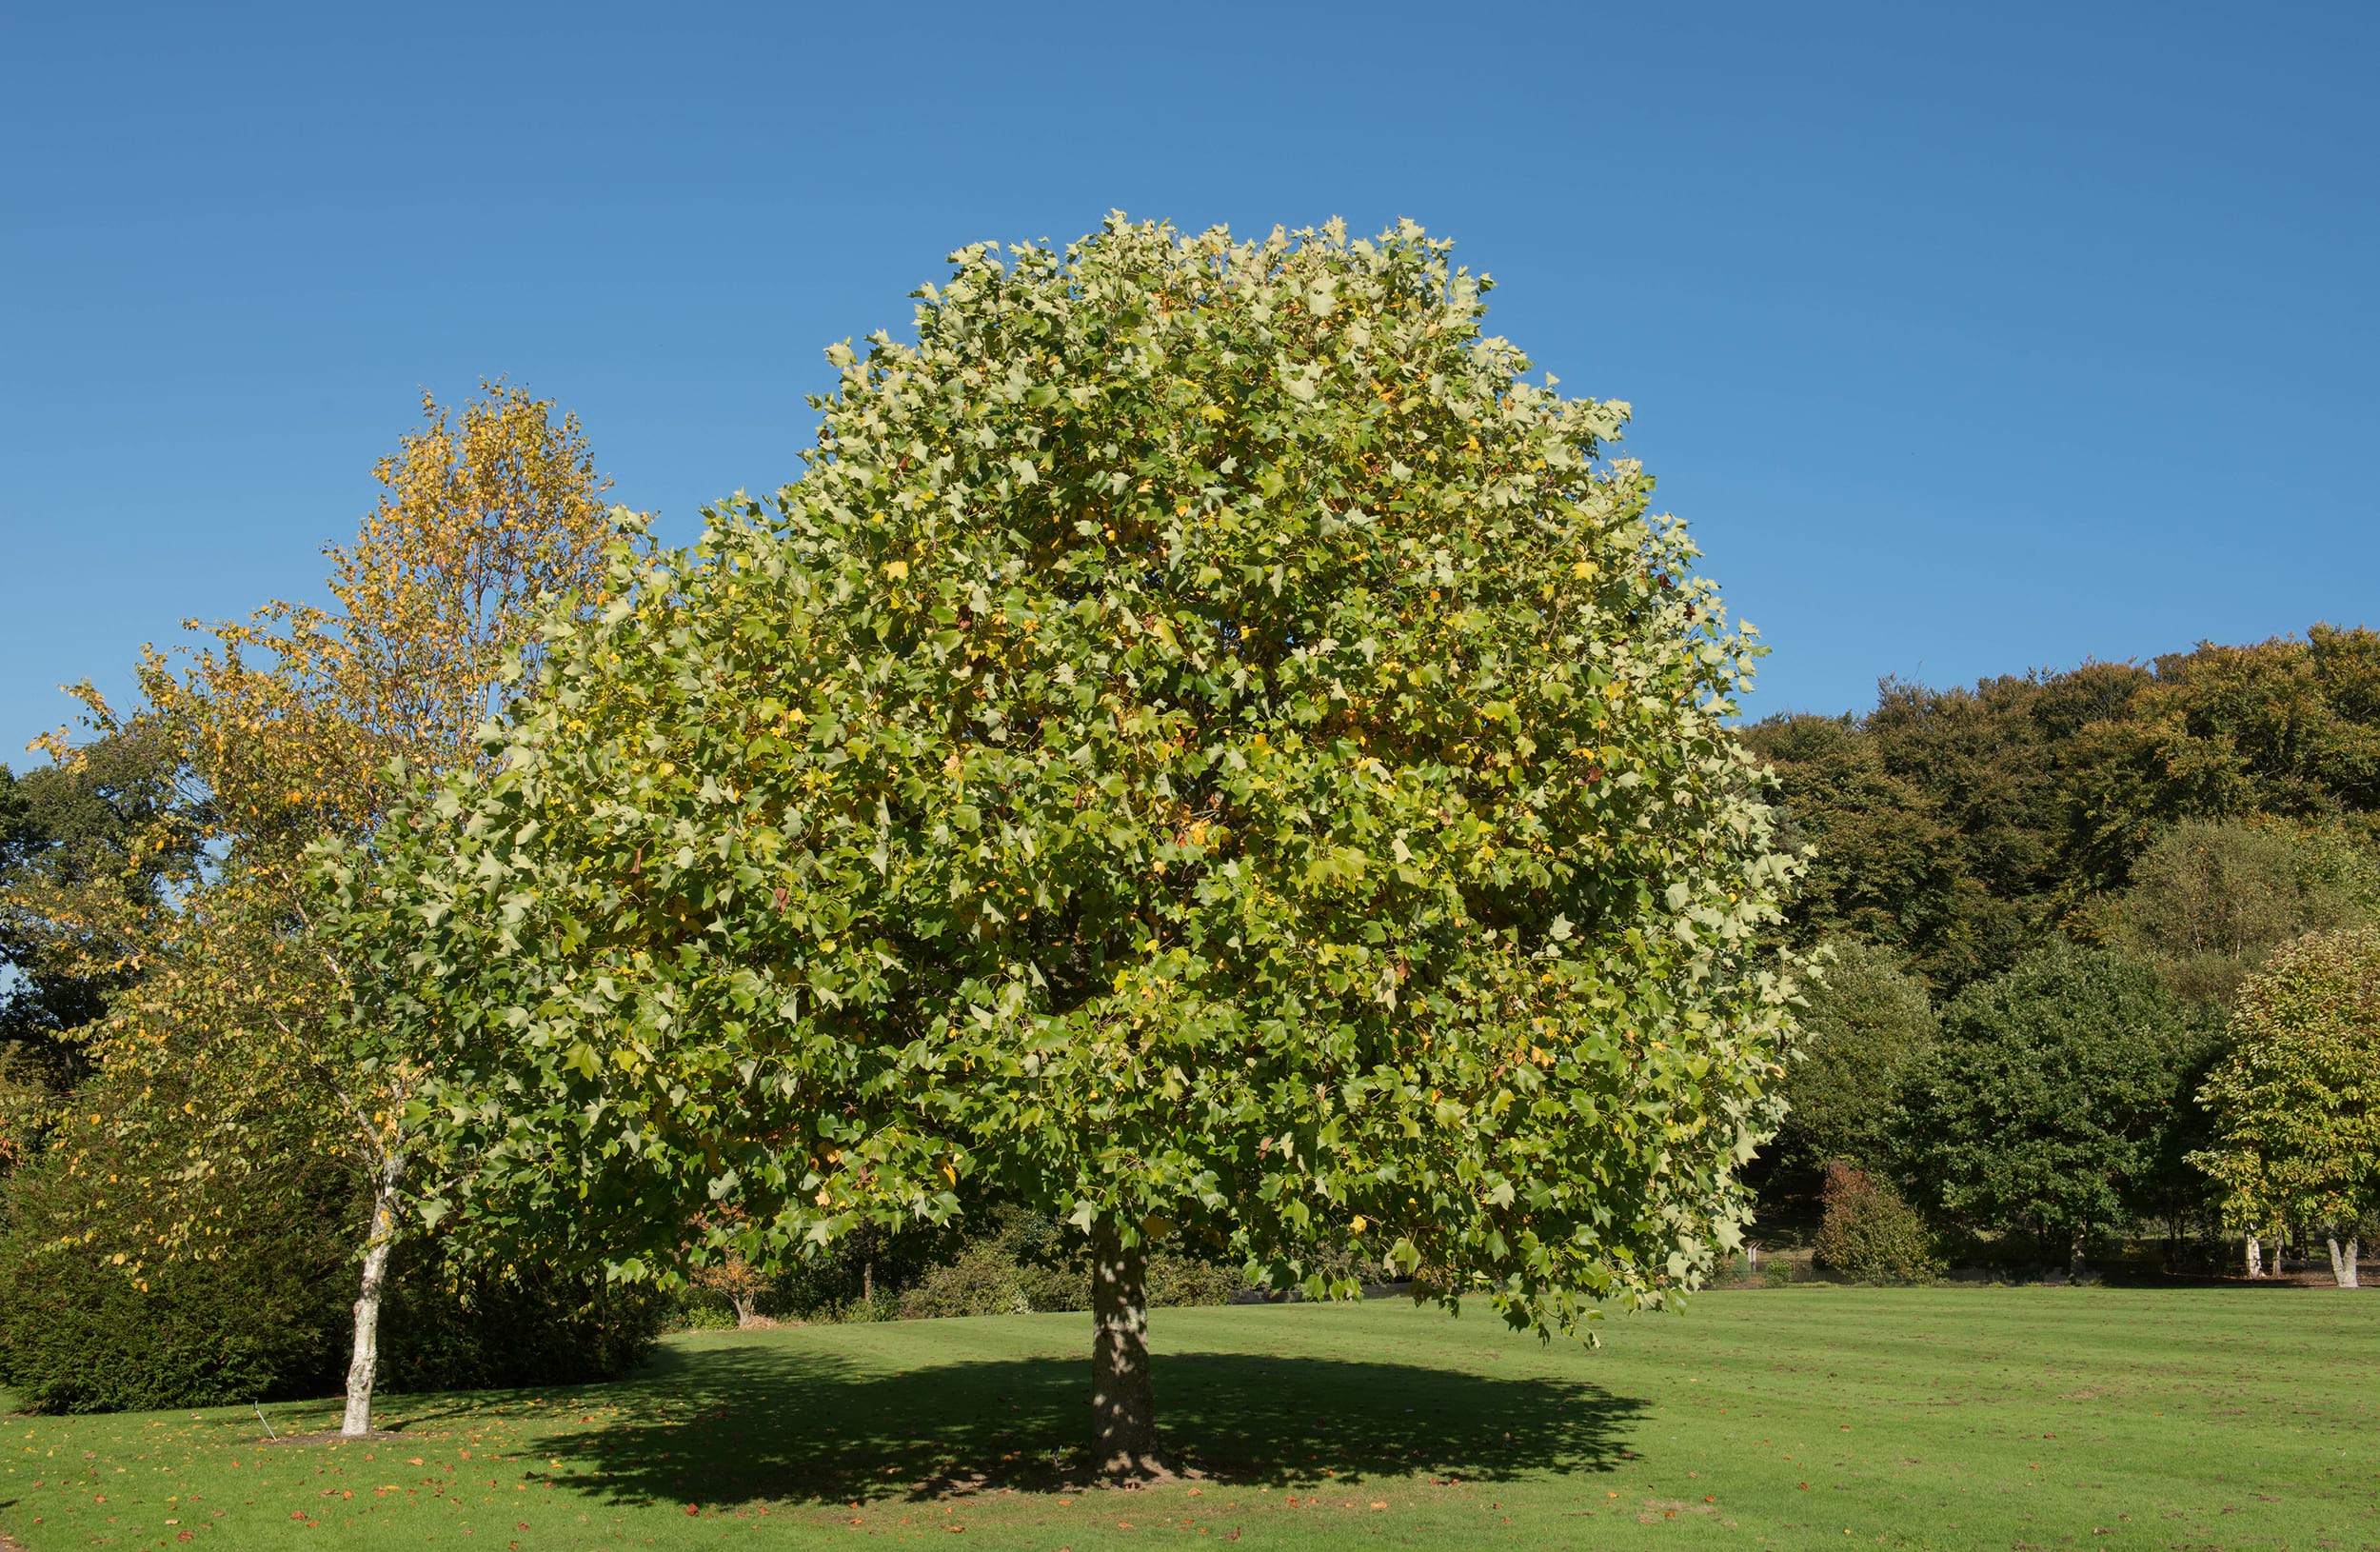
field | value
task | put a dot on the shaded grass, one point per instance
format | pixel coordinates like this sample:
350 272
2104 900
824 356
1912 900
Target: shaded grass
1944 1418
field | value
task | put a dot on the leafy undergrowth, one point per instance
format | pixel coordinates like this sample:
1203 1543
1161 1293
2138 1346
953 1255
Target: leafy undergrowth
1940 1418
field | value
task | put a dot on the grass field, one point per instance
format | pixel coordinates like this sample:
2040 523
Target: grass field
1794 1418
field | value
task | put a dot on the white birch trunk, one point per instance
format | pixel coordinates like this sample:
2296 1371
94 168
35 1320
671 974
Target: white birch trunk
2256 1256
2343 1259
379 1237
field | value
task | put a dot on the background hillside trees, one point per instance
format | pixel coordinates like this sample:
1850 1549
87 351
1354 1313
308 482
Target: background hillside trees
2210 901
1962 827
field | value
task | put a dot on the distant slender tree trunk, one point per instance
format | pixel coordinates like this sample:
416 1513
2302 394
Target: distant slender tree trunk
2343 1258
2076 1239
380 1235
2256 1256
1124 1401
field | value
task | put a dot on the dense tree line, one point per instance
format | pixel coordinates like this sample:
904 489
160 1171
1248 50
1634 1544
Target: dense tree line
2048 900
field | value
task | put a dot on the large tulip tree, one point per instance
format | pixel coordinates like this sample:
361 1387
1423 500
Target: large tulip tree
1207 748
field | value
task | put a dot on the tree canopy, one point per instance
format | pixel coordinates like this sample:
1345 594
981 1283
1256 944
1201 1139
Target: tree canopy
82 846
2210 901
2050 1092
2296 1102
1868 1029
1207 749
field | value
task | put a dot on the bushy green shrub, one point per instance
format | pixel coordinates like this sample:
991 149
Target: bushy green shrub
264 1312
488 1328
262 1316
1870 1234
1187 1280
1030 1262
2056 1101
1048 1288
980 1280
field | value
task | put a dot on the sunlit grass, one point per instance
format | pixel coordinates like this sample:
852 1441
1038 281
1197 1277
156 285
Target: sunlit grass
1951 1417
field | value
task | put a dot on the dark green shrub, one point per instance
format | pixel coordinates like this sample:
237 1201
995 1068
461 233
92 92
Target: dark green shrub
445 1329
980 1280
1050 1288
1187 1280
266 1312
1020 1261
1870 1234
263 1316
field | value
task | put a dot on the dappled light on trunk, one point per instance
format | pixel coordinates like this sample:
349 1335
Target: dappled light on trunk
1123 1400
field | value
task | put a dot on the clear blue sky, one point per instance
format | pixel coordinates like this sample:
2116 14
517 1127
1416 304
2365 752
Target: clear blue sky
1966 339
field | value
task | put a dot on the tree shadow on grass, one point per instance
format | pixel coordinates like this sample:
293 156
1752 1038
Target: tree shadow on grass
733 1426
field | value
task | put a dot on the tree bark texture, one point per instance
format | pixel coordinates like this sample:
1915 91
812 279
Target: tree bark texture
2343 1258
380 1234
1123 1402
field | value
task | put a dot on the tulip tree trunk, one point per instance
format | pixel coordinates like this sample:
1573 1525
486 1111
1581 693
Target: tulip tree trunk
379 1237
1124 1403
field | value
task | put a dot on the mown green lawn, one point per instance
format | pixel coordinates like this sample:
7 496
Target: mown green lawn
1793 1418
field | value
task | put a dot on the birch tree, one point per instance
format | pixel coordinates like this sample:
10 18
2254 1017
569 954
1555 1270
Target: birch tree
295 725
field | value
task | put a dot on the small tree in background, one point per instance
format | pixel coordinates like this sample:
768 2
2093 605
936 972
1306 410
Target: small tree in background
2050 1094
290 728
736 1280
1870 1234
2296 1103
1206 752
2210 901
1867 1026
